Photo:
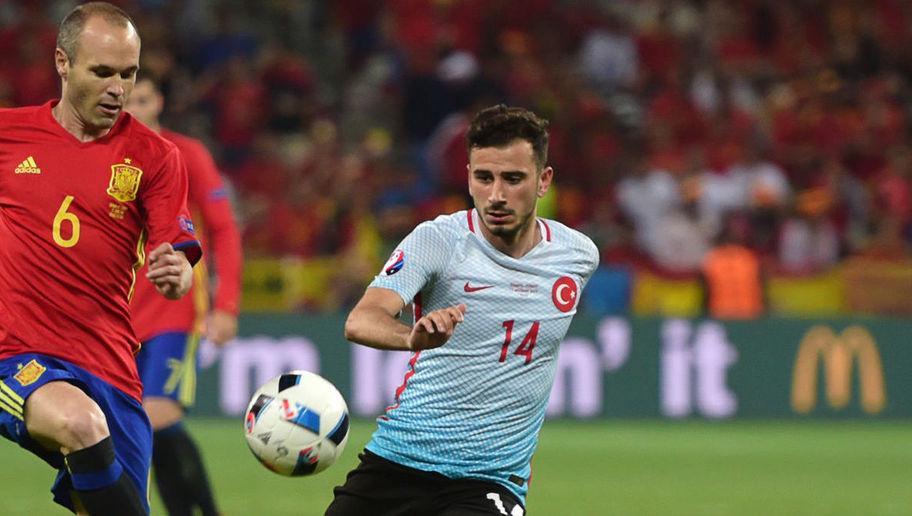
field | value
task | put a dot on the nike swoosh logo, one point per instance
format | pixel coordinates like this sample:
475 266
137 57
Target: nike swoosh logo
469 288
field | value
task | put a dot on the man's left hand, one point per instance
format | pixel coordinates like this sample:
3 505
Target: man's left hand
170 271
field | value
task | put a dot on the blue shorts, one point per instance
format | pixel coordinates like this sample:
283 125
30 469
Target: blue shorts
167 366
131 432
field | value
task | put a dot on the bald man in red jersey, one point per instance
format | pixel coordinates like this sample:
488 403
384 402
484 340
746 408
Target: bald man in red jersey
83 188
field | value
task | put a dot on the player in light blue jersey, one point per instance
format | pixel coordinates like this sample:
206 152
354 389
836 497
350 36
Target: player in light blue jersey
494 290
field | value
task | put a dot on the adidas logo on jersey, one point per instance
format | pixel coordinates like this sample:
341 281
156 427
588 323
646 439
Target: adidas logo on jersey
28 166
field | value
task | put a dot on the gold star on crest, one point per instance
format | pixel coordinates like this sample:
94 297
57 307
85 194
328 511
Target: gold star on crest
128 161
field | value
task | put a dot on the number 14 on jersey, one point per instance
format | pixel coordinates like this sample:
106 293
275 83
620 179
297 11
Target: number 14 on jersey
525 347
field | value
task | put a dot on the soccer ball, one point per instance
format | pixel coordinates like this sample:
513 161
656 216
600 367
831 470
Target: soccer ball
297 424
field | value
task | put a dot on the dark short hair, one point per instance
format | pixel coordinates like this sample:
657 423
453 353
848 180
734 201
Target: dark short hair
501 125
73 24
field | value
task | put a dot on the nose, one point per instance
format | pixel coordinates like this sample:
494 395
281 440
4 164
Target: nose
116 88
497 194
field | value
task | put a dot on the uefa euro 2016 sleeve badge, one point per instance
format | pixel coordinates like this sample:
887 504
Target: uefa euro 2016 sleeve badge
124 181
395 263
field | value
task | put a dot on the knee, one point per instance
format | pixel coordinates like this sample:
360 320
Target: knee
78 429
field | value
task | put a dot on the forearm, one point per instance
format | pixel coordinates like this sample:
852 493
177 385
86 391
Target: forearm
225 246
374 327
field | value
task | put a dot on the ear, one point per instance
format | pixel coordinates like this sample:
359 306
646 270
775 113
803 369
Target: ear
544 181
62 63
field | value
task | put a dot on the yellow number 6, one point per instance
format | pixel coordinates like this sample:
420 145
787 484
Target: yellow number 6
63 215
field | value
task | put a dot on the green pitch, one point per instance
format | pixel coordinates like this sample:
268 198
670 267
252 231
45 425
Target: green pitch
595 468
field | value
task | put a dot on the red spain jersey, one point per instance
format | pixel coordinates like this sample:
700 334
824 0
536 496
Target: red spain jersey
74 220
210 206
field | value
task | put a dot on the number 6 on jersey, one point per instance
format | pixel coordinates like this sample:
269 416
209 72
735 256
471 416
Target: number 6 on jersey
64 216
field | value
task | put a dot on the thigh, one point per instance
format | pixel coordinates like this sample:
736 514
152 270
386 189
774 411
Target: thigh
383 488
131 435
20 377
477 498
62 416
167 366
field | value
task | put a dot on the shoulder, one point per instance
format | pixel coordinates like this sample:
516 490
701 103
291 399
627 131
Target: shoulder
18 113
12 119
580 248
194 153
449 227
156 156
561 235
146 140
186 144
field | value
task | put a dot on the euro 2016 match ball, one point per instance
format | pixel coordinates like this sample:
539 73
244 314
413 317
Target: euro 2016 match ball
297 424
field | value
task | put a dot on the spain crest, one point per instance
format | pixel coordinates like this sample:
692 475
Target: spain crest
124 182
29 373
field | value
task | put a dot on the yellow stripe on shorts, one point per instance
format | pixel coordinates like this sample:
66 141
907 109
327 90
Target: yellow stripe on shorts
11 393
7 408
187 396
5 405
10 401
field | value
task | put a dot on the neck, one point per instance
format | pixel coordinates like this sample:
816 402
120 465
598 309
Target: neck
517 244
70 120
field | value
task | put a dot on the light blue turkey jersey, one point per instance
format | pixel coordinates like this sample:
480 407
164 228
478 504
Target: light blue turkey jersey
473 407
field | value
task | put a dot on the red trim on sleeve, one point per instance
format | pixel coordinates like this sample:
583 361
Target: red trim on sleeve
471 220
547 229
416 304
405 380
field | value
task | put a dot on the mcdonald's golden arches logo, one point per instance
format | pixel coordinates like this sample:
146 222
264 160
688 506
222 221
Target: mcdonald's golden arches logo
838 353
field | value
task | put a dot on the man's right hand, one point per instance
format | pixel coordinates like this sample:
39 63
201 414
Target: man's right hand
435 328
221 327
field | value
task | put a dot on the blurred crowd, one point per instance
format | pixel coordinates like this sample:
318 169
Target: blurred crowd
676 125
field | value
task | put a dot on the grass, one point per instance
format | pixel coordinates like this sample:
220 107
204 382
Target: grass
593 468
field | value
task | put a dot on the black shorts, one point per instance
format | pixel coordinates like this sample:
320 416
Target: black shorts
379 487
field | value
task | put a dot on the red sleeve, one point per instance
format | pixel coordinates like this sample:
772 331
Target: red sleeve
209 195
165 203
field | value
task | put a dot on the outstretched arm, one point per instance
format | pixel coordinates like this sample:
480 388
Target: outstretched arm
373 322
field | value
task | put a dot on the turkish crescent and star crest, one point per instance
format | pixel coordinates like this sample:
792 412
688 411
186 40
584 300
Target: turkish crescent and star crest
124 181
564 293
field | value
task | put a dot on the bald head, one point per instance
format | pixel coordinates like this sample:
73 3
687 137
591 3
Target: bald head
97 57
75 23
